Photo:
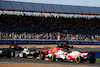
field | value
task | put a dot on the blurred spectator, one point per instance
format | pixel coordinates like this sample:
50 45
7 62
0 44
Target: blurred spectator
63 36
17 35
14 22
76 27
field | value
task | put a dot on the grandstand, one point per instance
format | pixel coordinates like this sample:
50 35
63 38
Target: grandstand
73 26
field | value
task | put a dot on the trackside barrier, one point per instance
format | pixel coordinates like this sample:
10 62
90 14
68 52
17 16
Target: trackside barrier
32 41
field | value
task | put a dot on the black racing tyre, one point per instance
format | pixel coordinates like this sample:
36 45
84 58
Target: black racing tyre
8 55
52 58
79 59
20 49
43 56
24 55
92 59
0 55
36 54
62 60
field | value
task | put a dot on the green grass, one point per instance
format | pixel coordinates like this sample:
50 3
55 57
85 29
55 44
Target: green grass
97 59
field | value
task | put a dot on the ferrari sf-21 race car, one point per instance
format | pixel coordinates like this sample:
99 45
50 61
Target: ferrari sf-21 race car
52 50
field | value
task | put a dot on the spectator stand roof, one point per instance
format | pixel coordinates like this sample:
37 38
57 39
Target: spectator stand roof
48 8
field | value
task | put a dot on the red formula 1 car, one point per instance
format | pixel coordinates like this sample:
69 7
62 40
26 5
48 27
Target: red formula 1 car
52 50
45 52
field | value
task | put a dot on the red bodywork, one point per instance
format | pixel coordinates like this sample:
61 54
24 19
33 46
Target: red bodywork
55 49
50 50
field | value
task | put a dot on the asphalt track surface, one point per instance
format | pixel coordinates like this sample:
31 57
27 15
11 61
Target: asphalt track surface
35 61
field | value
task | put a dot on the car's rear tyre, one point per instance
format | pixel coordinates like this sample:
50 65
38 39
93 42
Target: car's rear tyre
24 55
8 55
0 55
62 60
92 59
